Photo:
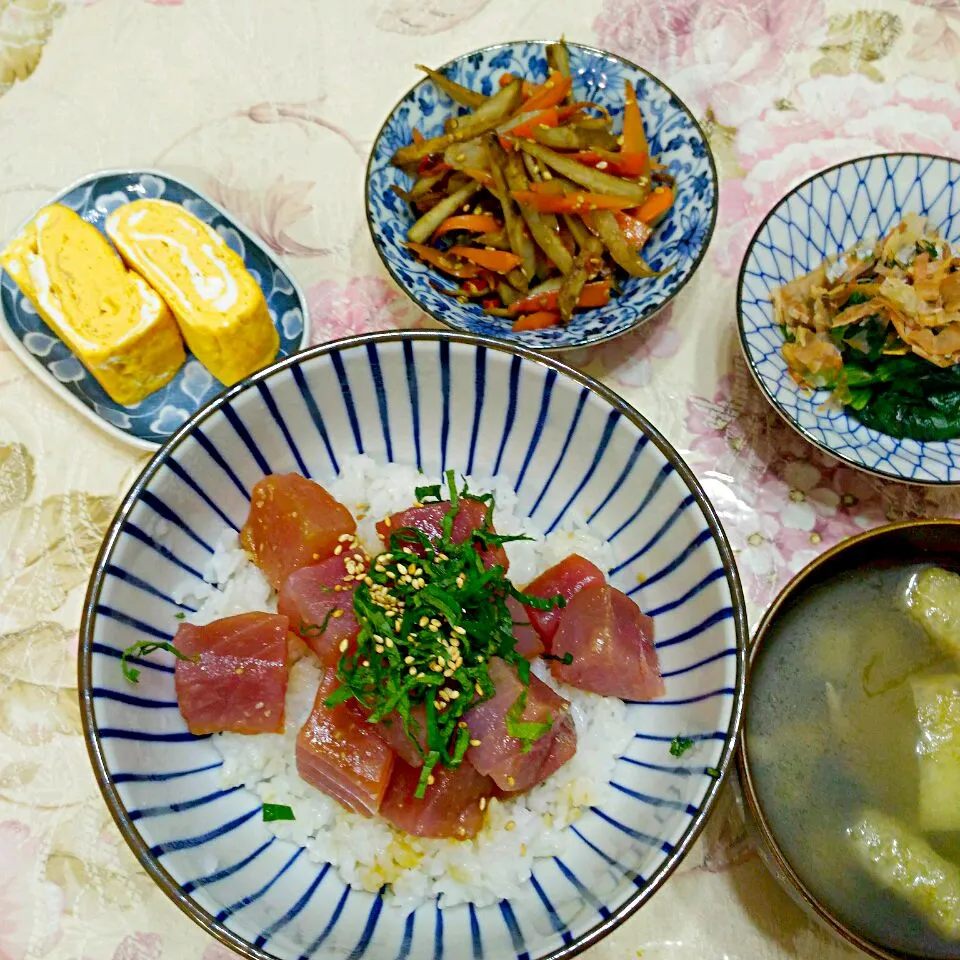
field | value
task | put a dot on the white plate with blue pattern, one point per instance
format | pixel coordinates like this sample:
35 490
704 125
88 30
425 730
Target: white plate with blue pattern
438 401
675 138
828 213
156 417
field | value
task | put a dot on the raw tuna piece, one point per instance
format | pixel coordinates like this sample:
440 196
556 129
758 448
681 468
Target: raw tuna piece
528 640
310 599
428 519
566 578
501 756
240 681
450 806
342 755
293 523
611 643
395 736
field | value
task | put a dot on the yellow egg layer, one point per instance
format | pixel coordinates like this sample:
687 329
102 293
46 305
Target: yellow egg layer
112 321
220 308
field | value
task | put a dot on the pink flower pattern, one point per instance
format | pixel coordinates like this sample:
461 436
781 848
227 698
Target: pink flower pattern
360 305
724 55
270 213
781 501
215 951
140 946
30 907
631 361
936 37
835 119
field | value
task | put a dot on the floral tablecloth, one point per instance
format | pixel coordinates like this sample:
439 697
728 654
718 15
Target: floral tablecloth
270 106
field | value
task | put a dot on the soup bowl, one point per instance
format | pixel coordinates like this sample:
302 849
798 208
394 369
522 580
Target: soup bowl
897 545
566 447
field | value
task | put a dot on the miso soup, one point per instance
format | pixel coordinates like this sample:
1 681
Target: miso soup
853 737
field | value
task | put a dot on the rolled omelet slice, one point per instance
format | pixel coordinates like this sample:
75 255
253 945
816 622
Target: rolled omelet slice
220 308
118 328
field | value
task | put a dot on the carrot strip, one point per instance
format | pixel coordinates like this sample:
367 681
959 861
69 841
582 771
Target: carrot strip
549 94
656 205
634 139
634 229
481 176
418 137
535 321
619 164
545 118
545 202
443 261
472 222
593 295
500 261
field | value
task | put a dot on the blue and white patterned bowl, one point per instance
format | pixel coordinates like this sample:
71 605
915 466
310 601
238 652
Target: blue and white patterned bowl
151 421
825 214
440 401
675 138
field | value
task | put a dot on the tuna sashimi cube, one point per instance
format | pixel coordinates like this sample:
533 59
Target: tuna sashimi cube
611 643
500 756
293 523
565 579
428 519
528 642
450 806
319 603
239 681
342 755
391 729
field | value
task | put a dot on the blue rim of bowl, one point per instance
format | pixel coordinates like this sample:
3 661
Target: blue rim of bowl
40 372
745 348
592 341
773 853
85 661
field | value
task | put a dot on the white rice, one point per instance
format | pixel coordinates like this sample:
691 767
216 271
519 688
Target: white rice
370 852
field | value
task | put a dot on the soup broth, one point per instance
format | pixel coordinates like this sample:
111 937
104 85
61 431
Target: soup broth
833 731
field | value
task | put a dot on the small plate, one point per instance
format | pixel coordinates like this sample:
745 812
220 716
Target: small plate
826 214
150 422
675 137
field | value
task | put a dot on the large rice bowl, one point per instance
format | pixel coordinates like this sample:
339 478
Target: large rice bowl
568 448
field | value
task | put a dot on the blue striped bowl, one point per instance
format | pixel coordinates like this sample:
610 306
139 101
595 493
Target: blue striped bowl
438 401
828 213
